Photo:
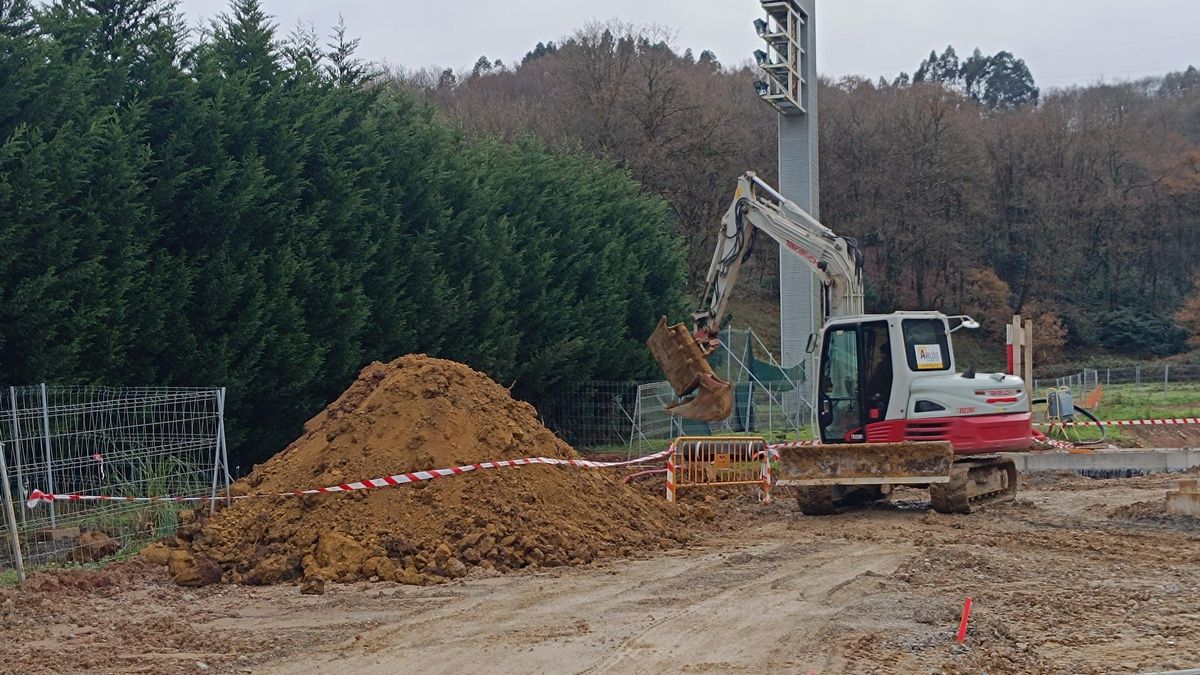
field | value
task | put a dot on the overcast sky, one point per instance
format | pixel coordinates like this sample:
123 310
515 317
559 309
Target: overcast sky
1063 41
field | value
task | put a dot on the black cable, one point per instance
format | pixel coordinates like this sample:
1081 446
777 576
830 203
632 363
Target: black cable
1090 417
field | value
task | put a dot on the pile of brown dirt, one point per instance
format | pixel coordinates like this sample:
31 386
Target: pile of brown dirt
418 413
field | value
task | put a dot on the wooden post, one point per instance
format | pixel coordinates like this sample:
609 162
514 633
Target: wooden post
1018 347
1027 341
11 518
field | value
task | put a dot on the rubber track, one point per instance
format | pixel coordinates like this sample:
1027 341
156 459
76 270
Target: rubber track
953 497
823 500
816 500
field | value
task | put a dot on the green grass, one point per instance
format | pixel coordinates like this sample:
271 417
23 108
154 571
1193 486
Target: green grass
1132 402
129 550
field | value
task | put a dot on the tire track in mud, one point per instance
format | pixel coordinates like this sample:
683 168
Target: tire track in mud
796 594
733 607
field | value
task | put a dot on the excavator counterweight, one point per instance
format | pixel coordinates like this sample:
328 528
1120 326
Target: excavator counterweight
688 371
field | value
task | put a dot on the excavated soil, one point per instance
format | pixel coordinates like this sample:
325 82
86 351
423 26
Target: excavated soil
418 413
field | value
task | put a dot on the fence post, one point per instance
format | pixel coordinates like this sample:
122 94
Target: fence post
220 454
12 393
637 422
1137 376
728 362
49 465
771 410
11 517
224 449
1166 377
1108 377
216 458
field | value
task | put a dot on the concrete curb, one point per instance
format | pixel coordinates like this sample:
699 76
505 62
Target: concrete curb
1114 462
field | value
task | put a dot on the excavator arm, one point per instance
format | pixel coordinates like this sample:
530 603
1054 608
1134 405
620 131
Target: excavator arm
756 207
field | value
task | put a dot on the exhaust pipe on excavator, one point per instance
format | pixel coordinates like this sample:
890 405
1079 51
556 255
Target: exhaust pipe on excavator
688 371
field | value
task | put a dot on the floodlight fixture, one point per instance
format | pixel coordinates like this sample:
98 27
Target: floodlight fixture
762 87
785 29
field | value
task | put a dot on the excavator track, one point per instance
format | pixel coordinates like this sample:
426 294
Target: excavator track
816 500
823 500
975 482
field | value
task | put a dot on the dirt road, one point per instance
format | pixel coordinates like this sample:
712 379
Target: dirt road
725 609
1076 576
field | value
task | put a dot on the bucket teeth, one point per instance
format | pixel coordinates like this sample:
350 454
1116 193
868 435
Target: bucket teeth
711 404
687 370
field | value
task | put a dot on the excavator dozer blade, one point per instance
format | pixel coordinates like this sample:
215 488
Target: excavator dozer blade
688 371
866 463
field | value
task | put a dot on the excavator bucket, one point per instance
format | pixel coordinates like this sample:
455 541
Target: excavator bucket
687 370
866 463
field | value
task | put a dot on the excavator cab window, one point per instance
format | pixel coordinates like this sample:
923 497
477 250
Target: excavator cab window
926 345
856 380
877 347
840 404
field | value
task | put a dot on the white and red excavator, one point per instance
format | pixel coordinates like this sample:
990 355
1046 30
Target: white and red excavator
890 407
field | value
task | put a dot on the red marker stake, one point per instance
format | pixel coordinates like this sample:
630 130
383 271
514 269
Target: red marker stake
962 625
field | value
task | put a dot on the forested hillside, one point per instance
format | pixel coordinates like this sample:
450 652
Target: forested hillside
240 209
969 189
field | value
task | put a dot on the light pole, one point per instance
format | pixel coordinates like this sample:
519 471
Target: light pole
789 83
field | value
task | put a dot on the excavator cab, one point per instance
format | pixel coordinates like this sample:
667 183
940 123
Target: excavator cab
856 380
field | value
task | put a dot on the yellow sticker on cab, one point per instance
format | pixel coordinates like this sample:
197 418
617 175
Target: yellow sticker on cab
929 357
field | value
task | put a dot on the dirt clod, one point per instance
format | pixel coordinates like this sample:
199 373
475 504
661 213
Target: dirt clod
312 586
157 553
413 414
93 545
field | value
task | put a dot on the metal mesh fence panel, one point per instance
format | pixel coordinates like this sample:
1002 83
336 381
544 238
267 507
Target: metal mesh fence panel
611 416
1160 387
652 420
115 441
591 414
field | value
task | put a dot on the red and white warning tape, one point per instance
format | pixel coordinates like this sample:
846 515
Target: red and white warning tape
792 444
1039 437
38 497
1125 423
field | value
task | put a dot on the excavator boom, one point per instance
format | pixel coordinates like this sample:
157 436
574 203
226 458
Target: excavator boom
682 353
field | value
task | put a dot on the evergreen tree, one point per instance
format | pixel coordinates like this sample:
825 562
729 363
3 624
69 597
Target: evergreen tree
943 69
251 212
999 81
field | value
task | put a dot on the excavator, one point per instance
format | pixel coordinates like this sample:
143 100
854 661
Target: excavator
890 407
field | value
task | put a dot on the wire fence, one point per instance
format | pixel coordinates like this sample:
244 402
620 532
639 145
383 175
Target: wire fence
633 417
592 414
1159 383
116 441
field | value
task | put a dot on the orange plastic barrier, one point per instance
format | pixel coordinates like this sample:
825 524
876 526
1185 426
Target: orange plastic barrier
1092 399
712 461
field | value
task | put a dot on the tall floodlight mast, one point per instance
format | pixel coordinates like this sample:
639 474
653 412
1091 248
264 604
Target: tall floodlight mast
789 83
